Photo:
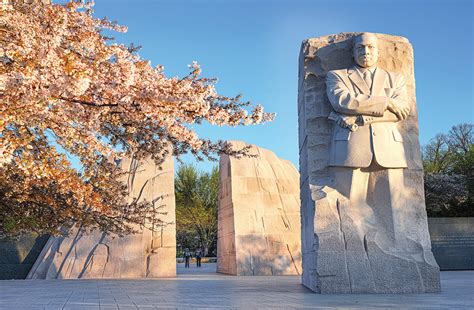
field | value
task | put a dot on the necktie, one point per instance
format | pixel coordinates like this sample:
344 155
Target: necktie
368 78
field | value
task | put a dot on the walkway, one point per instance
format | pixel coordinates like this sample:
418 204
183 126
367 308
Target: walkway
210 290
205 269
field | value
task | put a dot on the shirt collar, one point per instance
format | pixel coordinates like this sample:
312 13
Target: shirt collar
362 70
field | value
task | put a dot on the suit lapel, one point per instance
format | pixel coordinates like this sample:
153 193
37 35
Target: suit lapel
355 77
378 82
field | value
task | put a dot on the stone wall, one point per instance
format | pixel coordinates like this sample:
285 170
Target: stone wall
259 218
452 239
146 254
334 259
18 255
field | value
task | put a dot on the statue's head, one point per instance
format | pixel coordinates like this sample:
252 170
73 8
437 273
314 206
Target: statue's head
365 49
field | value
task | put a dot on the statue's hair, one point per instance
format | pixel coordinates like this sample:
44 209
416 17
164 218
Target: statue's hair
356 37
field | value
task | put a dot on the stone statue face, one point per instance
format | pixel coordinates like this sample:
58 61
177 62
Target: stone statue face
366 52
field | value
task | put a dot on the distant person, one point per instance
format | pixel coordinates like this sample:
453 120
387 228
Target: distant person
187 257
198 258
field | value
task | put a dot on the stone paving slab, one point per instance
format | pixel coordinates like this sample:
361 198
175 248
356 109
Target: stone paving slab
206 268
215 291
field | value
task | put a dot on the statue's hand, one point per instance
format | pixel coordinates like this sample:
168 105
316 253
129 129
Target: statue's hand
347 122
342 121
401 112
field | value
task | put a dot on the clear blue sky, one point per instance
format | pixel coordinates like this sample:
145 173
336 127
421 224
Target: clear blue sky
253 47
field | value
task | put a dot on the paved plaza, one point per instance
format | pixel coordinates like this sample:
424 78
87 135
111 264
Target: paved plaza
203 289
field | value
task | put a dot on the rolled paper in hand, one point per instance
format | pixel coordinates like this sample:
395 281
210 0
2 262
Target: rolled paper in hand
336 117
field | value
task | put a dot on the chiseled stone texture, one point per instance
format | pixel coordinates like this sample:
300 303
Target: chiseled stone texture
394 256
146 254
259 230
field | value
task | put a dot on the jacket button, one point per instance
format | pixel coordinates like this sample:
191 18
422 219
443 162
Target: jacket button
373 133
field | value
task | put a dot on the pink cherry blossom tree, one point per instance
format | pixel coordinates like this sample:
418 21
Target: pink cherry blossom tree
66 89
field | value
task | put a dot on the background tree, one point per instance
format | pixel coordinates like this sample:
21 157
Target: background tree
196 208
437 157
448 162
65 89
461 144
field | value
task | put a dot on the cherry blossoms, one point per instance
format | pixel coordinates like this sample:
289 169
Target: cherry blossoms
66 90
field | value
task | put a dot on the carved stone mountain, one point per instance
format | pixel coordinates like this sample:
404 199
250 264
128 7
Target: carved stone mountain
259 215
146 254
382 244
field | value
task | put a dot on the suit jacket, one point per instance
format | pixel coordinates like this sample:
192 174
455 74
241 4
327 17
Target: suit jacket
378 138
